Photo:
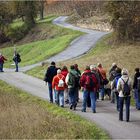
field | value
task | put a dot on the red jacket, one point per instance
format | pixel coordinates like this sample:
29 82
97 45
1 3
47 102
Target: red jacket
56 81
83 81
2 59
65 72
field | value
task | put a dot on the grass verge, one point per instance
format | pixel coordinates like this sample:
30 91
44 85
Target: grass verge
27 117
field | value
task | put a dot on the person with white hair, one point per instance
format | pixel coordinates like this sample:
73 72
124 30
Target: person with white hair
59 85
124 88
2 59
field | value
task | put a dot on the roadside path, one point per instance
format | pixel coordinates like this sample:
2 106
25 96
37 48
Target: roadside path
106 116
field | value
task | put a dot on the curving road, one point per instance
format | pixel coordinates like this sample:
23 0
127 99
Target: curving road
77 47
106 116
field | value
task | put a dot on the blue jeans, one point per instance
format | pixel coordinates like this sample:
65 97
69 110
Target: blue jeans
60 97
1 67
50 92
102 92
92 98
137 98
127 104
72 96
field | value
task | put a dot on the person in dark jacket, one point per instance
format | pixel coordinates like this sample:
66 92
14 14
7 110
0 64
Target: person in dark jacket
17 60
79 74
50 73
135 87
2 59
72 82
89 83
114 86
112 74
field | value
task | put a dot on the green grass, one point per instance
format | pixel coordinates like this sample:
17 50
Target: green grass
16 24
27 116
58 39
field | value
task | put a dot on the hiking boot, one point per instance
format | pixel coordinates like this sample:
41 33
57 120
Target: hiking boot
67 101
83 110
62 106
71 106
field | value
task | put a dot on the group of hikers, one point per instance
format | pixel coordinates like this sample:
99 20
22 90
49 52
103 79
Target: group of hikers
16 59
64 86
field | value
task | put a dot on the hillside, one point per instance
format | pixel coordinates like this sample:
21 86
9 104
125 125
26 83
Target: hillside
125 55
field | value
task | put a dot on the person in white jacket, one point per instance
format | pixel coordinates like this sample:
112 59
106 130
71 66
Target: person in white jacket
124 84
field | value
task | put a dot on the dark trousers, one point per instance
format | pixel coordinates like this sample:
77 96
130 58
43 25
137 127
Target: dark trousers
50 92
1 67
127 104
72 96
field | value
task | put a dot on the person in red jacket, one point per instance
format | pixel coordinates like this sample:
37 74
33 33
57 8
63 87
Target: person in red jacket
59 85
64 72
2 59
89 83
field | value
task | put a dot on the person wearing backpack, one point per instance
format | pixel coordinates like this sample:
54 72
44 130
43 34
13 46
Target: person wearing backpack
112 75
72 80
16 59
114 86
2 59
95 71
50 73
124 88
59 85
136 87
104 80
79 73
89 83
64 72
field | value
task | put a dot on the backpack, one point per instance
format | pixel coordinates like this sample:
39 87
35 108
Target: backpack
61 82
89 83
18 58
138 83
112 75
126 88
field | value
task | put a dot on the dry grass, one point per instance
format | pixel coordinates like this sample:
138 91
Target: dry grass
25 117
125 55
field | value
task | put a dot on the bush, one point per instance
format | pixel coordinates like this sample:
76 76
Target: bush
18 33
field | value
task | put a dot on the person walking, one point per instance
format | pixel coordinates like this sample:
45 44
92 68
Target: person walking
112 75
114 86
72 80
89 83
17 60
136 87
124 88
59 85
103 80
50 73
78 86
2 59
64 72
94 70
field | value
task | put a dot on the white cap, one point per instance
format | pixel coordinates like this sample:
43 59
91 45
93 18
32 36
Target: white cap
92 67
58 71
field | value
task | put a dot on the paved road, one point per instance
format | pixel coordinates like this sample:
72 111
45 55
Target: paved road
77 47
106 116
